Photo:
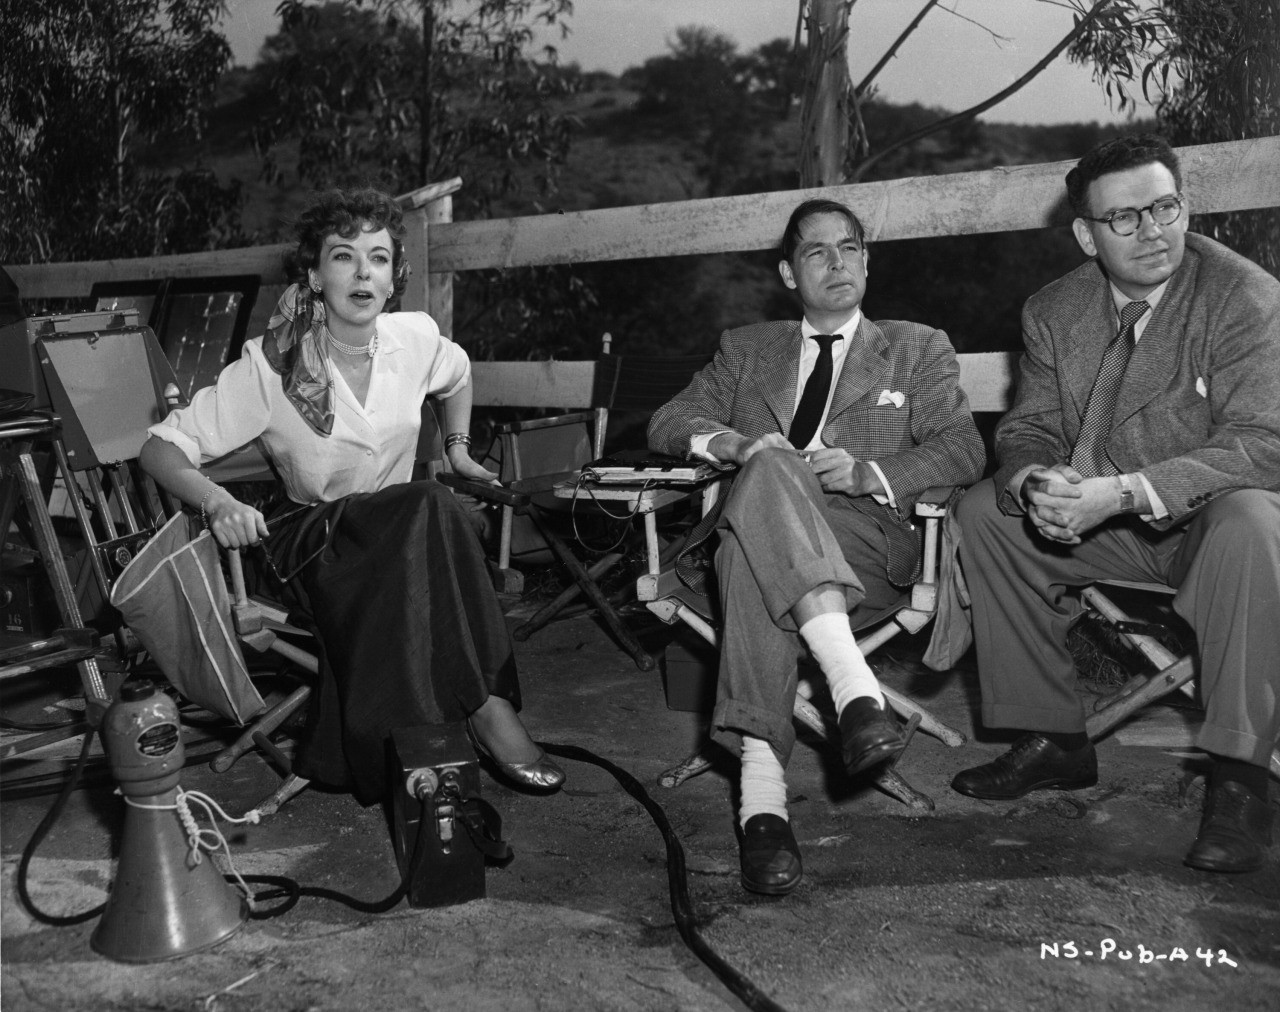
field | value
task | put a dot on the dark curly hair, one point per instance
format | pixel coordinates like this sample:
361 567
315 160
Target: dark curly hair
1116 155
818 205
345 213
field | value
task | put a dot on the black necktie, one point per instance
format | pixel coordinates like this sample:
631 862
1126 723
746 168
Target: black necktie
1089 456
813 402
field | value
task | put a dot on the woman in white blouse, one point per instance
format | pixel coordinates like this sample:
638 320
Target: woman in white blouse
389 572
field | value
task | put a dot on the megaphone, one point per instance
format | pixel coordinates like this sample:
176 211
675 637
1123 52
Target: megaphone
162 905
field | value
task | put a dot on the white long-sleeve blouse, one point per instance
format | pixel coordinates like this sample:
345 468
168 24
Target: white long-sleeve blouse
370 447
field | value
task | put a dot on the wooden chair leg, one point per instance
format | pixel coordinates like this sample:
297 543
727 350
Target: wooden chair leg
929 724
888 779
694 766
261 727
289 788
552 608
644 660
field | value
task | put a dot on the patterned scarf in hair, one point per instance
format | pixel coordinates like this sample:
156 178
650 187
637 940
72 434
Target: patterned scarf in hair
294 348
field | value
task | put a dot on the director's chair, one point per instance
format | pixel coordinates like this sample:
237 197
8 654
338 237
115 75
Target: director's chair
108 386
1172 672
671 600
543 503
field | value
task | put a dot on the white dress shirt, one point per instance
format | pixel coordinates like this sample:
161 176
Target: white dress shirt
699 444
370 447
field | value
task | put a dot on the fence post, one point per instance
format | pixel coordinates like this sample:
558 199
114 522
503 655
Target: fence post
440 286
416 253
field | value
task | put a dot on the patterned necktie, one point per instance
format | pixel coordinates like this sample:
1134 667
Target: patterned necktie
1090 454
813 402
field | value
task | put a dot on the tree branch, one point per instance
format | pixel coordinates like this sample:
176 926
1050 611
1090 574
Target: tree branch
862 87
995 99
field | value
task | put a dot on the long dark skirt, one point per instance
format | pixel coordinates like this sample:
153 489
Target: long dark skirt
409 628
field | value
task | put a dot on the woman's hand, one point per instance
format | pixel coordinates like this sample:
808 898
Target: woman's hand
462 464
233 524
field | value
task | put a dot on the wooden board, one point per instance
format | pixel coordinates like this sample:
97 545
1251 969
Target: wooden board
1233 175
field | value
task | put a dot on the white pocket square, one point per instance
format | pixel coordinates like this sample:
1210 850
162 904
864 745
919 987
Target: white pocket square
895 397
1201 389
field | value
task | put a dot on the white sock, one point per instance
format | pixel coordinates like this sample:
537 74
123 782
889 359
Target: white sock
764 787
848 675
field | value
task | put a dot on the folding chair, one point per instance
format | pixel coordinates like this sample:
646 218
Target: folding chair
108 386
669 599
1172 672
73 642
264 625
537 461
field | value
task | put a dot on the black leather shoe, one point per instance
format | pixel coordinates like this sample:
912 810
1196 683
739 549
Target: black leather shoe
769 856
1234 831
1033 763
869 735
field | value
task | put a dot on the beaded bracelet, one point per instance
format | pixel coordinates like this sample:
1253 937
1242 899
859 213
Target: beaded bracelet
204 501
454 438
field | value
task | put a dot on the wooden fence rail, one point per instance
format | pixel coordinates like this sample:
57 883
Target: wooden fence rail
1230 176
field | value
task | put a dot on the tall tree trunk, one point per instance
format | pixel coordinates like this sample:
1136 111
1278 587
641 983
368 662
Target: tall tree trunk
827 106
425 112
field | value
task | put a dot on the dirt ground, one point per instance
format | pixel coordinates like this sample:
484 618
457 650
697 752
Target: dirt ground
1059 901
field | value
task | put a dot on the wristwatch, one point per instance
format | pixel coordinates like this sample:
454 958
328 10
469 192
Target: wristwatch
1126 494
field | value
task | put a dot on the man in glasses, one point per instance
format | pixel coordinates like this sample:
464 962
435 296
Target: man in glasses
1143 445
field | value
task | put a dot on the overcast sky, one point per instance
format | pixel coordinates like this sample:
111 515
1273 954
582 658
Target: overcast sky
949 62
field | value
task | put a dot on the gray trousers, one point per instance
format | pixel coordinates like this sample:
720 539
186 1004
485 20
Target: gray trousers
1224 564
781 537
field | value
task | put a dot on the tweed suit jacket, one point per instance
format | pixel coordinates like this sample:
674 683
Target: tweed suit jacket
930 440
1198 411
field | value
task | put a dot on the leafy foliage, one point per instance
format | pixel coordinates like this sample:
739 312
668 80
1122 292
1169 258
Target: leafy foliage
726 103
1211 69
86 87
400 93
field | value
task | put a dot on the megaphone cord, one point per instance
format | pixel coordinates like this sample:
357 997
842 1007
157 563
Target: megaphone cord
290 891
41 831
677 883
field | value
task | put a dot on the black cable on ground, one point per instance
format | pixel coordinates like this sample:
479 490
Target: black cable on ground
677 884
285 888
41 831
289 891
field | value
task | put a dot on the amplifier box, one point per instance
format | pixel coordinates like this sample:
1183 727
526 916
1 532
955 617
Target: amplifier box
433 771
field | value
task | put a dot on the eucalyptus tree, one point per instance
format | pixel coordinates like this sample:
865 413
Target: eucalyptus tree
96 97
407 92
1211 69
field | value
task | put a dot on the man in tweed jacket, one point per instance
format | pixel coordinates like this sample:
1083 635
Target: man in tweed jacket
1183 492
814 532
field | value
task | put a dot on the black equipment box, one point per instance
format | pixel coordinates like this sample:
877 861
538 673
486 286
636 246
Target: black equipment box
433 773
27 604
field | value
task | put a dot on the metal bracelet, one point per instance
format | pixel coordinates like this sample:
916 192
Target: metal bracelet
454 438
204 517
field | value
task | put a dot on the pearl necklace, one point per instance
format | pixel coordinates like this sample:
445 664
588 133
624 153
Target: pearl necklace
354 349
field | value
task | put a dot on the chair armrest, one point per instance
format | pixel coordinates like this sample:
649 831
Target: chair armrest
483 490
932 502
531 424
